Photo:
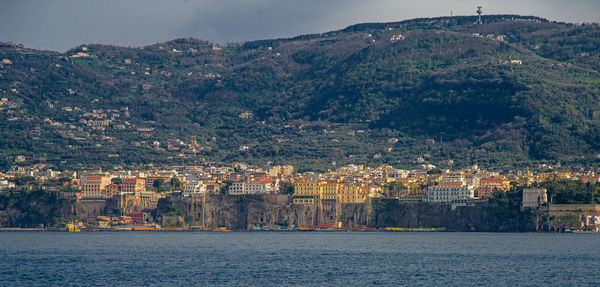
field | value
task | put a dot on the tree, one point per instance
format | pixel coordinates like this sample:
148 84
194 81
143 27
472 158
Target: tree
158 184
572 192
395 189
225 186
286 188
175 183
434 171
116 180
24 180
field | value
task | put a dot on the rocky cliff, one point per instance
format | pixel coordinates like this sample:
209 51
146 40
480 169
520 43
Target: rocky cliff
25 208
487 216
276 211
35 208
116 206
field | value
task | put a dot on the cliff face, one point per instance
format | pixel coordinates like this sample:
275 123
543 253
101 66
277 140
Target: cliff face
92 208
88 208
241 212
561 217
32 208
477 217
276 211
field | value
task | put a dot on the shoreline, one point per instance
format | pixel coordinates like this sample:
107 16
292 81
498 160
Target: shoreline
217 230
406 230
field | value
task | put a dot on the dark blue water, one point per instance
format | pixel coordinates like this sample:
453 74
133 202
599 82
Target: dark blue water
250 259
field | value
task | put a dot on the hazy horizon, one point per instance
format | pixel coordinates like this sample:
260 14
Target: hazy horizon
64 24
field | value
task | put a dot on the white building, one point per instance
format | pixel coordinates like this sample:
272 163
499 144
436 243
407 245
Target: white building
470 180
194 188
5 184
452 193
453 178
254 187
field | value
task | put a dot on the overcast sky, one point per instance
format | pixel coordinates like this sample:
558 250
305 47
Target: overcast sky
63 24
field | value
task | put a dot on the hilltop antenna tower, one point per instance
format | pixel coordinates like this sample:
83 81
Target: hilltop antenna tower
479 14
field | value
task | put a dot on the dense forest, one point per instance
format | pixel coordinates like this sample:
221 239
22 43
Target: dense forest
510 92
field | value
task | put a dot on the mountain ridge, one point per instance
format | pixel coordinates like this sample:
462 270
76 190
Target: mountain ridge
304 99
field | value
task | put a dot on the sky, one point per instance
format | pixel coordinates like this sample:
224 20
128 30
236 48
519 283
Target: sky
63 24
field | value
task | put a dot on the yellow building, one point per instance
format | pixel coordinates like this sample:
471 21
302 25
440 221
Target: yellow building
307 192
349 194
493 183
330 190
308 187
357 194
562 175
340 192
304 199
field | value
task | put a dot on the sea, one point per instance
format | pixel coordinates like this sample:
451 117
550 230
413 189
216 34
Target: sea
298 258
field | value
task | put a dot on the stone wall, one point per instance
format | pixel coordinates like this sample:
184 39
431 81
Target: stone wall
588 209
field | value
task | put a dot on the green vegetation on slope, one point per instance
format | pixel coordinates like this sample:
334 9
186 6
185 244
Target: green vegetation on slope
31 208
371 93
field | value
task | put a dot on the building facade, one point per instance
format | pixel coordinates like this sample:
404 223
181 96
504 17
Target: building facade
133 186
254 187
95 186
194 188
340 192
451 193
533 197
304 199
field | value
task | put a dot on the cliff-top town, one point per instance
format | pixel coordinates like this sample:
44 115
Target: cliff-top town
136 199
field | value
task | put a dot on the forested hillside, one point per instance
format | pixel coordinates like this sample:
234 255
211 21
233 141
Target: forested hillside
511 91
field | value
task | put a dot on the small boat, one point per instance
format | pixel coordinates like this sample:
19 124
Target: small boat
305 229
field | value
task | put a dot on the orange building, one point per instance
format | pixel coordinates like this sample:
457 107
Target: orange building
112 189
484 192
95 186
133 186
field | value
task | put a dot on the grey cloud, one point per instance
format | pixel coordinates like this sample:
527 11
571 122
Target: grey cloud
63 24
